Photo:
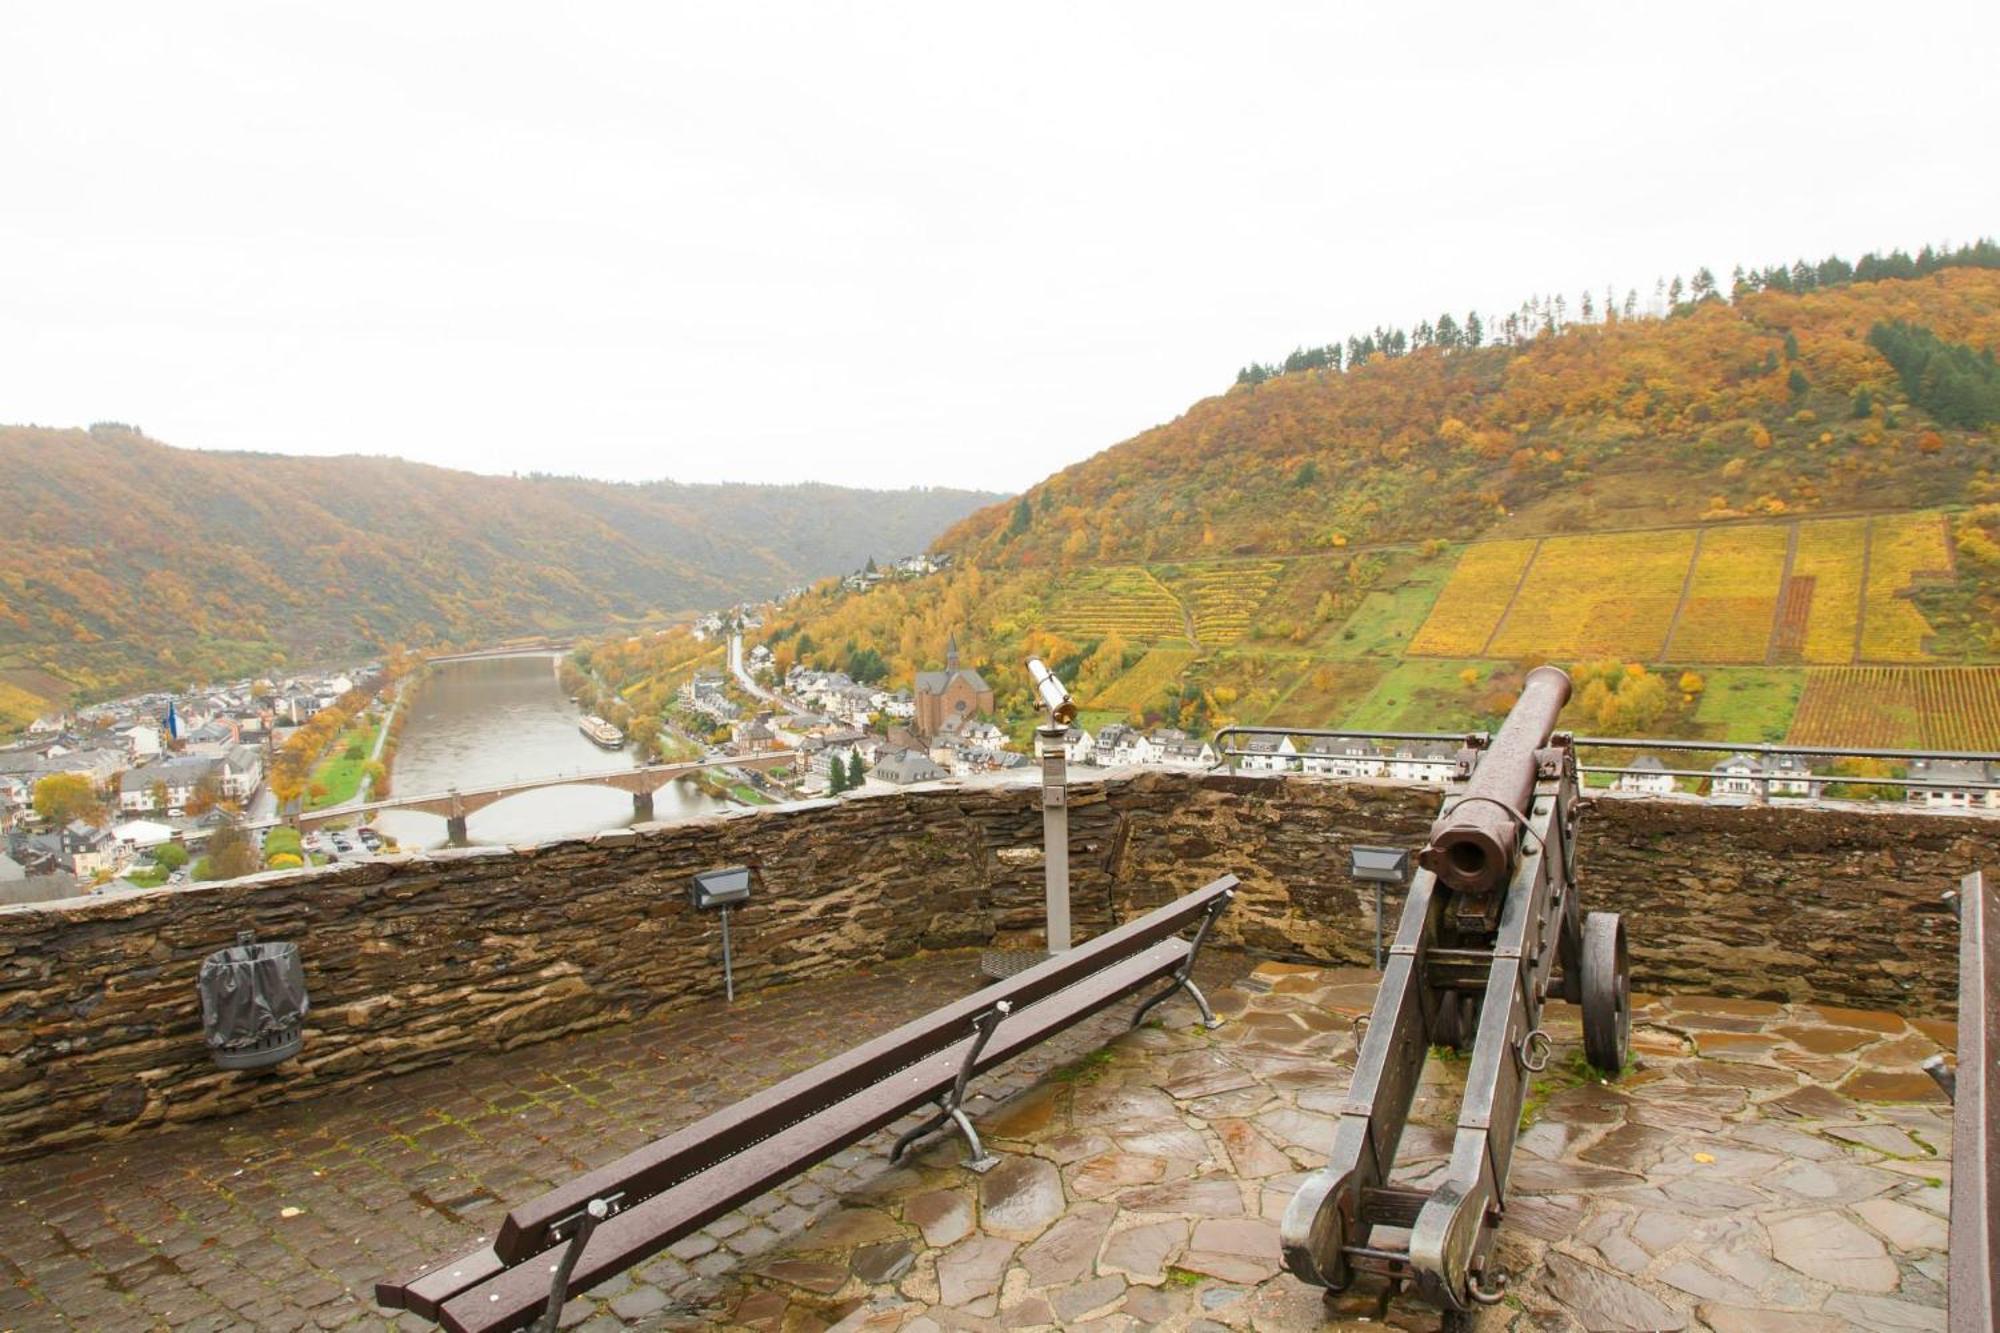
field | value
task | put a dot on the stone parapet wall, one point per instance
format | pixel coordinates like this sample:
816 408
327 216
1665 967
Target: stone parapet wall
418 960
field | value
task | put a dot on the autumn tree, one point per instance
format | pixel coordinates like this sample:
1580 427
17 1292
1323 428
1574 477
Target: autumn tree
231 853
62 797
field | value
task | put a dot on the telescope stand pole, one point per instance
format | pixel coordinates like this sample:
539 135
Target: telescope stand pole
1055 834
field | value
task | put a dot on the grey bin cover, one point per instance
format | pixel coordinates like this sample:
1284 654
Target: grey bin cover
249 992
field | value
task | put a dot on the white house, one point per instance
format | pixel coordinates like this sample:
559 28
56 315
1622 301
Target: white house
1647 775
242 772
1748 775
1176 749
1119 745
1342 758
1961 791
1431 764
138 789
143 742
1268 754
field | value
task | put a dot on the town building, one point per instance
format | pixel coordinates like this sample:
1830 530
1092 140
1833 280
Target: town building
1268 754
1646 775
907 766
956 691
1773 775
1967 784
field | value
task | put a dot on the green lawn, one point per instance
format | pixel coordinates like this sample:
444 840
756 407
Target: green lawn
148 876
1424 694
1748 703
340 775
1388 618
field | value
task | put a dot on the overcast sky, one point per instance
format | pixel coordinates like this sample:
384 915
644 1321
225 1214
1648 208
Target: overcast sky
933 244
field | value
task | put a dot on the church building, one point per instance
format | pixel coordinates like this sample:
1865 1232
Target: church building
948 699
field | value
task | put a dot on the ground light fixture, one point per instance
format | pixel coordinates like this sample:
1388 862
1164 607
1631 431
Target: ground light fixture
1379 866
719 890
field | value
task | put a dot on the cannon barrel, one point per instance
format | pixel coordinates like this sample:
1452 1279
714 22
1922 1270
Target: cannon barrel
1472 845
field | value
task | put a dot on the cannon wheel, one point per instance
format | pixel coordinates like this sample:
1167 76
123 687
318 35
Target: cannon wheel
1456 1024
1607 993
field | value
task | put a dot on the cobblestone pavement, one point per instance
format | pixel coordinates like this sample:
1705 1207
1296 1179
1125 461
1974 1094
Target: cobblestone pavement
1760 1158
285 1218
1763 1168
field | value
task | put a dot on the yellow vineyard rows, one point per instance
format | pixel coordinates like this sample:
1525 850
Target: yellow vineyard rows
1732 596
1830 554
1604 593
1634 594
1223 598
1469 608
1124 599
1903 551
1932 708
1149 676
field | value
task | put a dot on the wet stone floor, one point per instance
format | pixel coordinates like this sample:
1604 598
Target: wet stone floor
1761 1167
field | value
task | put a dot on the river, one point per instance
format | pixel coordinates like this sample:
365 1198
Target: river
502 720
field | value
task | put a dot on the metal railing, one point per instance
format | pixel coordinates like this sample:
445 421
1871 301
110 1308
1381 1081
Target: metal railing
1765 782
1973 1283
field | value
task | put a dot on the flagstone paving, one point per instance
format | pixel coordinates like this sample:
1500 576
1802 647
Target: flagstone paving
1762 1167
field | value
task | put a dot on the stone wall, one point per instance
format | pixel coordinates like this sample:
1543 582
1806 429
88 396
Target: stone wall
421 959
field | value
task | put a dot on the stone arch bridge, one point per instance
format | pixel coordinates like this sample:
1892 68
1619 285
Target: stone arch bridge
458 805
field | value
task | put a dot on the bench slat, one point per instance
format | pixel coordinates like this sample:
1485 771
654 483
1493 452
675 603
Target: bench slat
426 1292
512 1299
732 1129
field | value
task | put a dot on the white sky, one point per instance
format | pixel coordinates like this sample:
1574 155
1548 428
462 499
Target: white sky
937 244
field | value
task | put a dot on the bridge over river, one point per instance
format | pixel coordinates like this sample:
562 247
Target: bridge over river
456 805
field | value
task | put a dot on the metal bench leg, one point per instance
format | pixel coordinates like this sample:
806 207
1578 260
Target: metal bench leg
1184 975
596 1211
950 1103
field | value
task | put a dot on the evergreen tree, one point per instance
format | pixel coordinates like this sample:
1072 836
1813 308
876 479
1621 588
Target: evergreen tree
1864 403
1475 332
1023 516
836 777
1791 345
856 775
1796 382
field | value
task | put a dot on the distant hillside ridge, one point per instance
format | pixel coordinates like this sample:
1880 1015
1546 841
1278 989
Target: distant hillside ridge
1775 402
125 562
1744 504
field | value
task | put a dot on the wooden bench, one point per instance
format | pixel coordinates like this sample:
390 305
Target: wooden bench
607 1220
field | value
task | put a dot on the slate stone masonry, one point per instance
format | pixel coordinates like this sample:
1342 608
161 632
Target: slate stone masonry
420 960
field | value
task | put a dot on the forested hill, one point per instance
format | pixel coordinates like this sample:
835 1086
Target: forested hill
124 561
1852 395
1743 501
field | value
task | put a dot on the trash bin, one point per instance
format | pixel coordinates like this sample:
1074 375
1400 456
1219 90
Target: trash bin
253 1003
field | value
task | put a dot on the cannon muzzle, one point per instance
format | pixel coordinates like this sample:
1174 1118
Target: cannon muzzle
1472 845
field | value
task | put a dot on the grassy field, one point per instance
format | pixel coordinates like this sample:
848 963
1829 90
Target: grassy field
1387 621
1424 694
1747 703
336 773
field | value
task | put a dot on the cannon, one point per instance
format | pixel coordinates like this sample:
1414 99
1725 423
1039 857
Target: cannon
1491 927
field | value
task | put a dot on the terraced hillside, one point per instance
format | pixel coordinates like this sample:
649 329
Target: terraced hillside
1743 509
1811 591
